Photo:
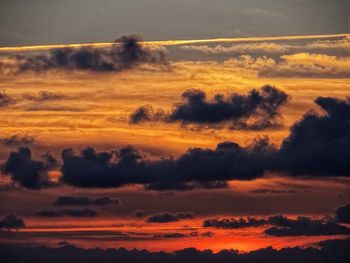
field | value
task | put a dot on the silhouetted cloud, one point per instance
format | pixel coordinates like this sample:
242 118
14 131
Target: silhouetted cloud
25 170
257 110
43 95
17 140
185 186
72 200
67 212
11 222
303 226
330 251
318 144
166 217
5 100
227 161
139 213
272 191
343 214
283 226
126 53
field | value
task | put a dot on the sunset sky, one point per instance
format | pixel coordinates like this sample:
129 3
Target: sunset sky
165 125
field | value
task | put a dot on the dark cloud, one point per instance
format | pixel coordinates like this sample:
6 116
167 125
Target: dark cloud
43 96
343 214
12 222
126 53
17 140
330 251
72 200
5 100
283 226
318 144
257 110
227 161
272 191
67 212
139 213
166 217
26 171
185 186
303 226
234 223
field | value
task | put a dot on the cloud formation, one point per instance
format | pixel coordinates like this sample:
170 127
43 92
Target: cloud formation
73 201
26 171
126 53
343 214
67 212
17 140
5 99
166 217
11 222
283 226
257 110
299 65
338 249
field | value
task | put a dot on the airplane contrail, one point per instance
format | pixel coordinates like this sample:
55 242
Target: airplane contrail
170 42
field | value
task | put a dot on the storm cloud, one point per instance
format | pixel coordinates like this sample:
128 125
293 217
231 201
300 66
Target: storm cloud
257 110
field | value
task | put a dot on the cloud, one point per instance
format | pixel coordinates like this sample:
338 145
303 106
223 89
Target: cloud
139 213
43 96
303 226
72 200
17 140
299 65
318 144
5 100
129 166
11 222
272 191
185 186
67 212
283 226
343 214
258 109
126 53
26 171
166 217
336 45
233 223
328 251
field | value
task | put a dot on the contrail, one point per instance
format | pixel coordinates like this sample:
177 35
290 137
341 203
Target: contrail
171 42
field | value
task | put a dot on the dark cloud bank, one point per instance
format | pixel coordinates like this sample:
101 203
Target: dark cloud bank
67 212
318 145
280 225
329 251
11 222
166 217
126 53
84 201
257 110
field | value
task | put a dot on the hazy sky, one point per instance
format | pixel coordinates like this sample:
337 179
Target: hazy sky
67 21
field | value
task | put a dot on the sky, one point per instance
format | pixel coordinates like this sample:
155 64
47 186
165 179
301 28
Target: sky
167 125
